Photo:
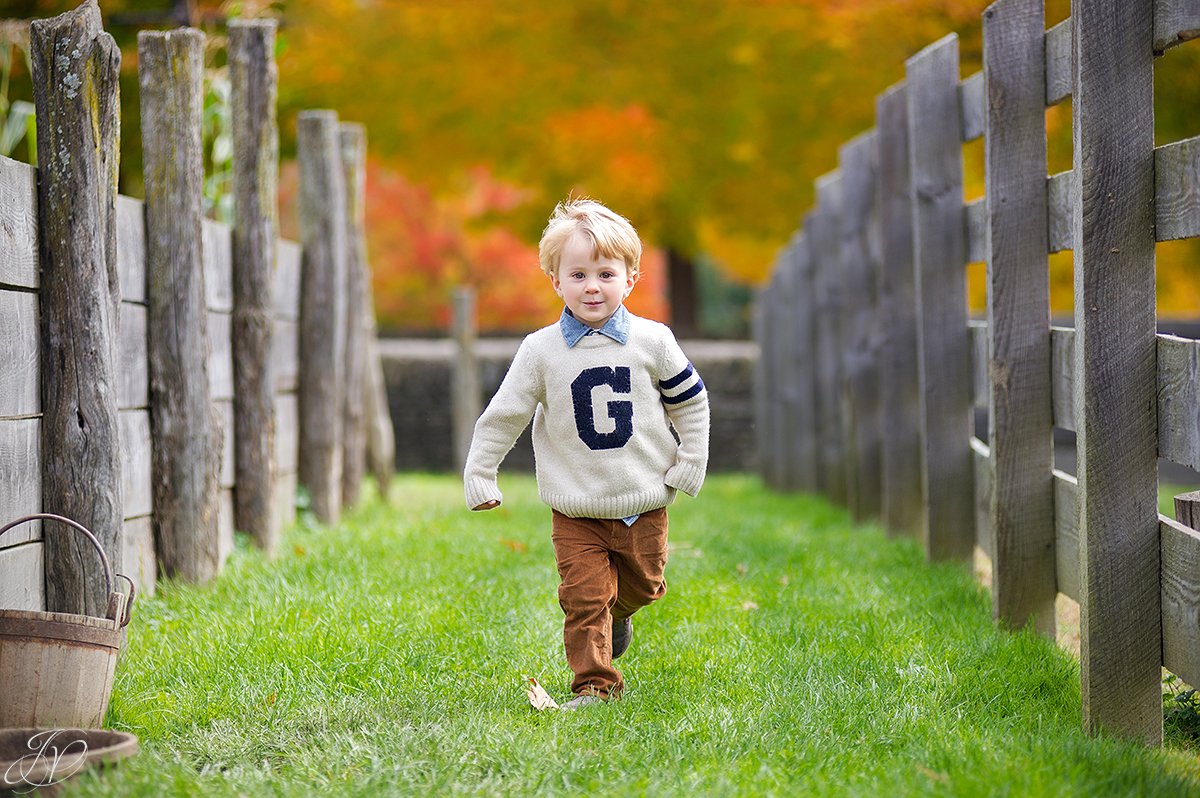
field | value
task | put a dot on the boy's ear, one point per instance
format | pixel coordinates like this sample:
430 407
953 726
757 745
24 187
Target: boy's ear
554 282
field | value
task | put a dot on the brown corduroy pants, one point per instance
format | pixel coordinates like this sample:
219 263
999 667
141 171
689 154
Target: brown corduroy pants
608 572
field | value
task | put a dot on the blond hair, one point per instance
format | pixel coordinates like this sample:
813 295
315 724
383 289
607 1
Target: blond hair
611 234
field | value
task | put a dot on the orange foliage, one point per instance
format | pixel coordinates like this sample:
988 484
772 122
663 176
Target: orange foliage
741 256
422 247
704 122
612 153
649 297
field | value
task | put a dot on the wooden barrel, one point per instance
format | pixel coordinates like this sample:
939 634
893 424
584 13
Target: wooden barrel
56 668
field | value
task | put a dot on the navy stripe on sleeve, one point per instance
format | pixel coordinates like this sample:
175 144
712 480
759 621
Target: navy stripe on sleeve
688 394
677 379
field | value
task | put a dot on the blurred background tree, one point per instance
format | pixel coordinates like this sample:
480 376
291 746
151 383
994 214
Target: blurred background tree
703 121
17 124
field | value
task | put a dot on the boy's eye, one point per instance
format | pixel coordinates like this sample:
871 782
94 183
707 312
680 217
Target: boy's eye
608 275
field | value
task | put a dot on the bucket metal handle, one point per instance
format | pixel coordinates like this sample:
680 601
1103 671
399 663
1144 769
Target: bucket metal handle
128 601
108 571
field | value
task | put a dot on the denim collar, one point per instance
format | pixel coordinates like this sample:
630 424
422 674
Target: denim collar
616 328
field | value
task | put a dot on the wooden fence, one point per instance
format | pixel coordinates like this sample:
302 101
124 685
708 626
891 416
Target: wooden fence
871 372
194 324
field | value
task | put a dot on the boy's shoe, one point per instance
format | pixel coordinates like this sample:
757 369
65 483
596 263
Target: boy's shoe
582 700
622 634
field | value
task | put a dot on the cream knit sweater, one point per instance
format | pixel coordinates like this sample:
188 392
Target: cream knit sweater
602 416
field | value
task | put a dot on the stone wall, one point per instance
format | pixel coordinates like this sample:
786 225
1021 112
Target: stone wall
418 384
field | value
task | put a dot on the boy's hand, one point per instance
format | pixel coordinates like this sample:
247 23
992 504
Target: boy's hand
488 505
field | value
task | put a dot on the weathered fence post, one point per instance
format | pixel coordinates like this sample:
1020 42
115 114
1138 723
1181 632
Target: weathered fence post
76 94
821 229
186 431
1116 367
769 394
799 327
899 381
1021 435
1187 509
353 142
778 351
381 436
781 360
860 374
763 383
322 310
253 86
939 262
465 380
285 368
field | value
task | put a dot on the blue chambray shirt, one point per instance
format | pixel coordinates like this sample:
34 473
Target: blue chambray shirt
616 328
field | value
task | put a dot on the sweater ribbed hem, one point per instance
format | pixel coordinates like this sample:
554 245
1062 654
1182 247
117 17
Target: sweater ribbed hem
609 506
686 477
478 491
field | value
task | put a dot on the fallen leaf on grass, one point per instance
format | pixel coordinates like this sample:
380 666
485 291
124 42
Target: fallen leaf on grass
747 606
515 545
742 569
538 697
933 775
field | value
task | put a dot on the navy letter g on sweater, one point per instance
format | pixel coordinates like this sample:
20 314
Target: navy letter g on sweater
621 412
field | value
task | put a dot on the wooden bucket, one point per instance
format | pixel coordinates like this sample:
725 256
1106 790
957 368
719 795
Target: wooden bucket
44 758
57 668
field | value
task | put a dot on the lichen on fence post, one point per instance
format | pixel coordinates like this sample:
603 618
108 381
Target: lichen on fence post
186 429
253 88
322 310
76 94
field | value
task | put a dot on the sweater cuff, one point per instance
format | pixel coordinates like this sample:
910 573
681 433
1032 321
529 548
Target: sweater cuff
685 477
480 491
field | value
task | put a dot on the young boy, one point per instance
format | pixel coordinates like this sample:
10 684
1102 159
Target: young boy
604 388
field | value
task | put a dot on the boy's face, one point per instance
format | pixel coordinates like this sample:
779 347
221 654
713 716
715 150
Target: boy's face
592 287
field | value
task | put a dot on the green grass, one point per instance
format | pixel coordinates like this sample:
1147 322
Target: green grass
794 654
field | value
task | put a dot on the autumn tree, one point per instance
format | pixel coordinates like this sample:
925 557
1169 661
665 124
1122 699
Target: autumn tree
704 121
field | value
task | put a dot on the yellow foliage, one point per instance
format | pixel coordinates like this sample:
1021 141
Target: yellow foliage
745 258
705 122
1178 279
